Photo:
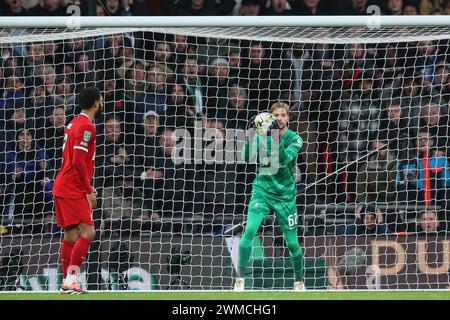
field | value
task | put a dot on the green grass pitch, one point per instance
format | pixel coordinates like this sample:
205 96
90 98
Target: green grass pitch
359 295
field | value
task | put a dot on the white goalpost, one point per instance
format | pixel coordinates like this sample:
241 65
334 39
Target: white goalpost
368 95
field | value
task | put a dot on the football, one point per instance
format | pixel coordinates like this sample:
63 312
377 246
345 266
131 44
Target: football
263 121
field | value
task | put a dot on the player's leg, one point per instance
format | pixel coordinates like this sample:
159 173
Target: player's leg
296 256
71 235
287 214
81 247
85 234
82 217
79 251
257 211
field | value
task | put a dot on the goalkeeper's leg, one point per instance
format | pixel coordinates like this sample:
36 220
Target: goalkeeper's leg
258 210
296 256
287 215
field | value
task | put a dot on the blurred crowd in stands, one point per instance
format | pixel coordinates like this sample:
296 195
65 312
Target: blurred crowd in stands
346 101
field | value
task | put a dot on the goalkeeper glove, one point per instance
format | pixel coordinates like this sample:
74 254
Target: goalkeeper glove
273 126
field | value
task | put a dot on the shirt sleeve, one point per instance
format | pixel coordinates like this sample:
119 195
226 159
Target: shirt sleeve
84 138
291 151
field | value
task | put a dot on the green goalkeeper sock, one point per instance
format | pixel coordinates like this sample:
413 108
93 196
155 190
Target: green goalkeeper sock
245 249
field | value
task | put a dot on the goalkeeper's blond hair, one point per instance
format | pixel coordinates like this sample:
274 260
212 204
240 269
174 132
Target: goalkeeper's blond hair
278 105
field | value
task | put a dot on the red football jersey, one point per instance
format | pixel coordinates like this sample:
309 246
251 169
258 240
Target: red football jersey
79 136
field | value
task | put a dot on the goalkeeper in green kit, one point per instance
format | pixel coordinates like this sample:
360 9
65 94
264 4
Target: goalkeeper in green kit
274 189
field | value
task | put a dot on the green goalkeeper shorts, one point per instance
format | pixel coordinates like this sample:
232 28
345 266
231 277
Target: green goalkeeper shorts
285 211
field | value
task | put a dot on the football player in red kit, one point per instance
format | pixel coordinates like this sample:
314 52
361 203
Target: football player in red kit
73 193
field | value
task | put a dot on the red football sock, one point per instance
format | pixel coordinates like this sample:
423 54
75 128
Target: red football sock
79 253
66 254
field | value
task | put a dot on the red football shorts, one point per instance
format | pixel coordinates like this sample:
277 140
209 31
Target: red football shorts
72 212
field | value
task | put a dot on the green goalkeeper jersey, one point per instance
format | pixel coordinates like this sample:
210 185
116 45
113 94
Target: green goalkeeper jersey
276 170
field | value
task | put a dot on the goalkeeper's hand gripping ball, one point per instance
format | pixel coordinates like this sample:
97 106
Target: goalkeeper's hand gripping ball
264 122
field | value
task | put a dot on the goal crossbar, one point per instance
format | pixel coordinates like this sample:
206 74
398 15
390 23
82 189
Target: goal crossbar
225 21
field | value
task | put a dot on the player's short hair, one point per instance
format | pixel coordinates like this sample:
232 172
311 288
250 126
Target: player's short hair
87 97
277 105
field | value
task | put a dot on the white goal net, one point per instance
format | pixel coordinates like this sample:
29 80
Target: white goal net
169 173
